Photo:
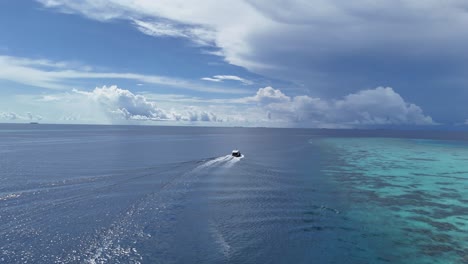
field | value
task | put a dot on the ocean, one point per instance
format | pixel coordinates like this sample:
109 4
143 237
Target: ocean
154 194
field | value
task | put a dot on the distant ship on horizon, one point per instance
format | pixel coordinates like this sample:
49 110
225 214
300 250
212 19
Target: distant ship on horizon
33 123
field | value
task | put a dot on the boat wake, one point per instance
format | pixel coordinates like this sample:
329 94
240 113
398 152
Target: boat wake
140 223
232 161
220 162
220 240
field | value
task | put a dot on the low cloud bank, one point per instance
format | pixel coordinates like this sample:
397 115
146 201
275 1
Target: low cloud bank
122 104
267 107
12 116
379 106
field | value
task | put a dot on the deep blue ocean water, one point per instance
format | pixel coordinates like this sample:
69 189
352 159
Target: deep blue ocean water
123 194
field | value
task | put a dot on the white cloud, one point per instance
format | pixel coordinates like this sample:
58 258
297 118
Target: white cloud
269 95
119 105
199 35
8 116
211 79
57 75
220 78
224 24
193 114
12 116
124 103
296 39
49 98
268 107
379 106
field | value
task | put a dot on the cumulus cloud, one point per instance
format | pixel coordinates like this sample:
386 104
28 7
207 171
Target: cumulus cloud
194 114
220 78
268 95
122 104
379 106
12 116
8 116
270 106
267 107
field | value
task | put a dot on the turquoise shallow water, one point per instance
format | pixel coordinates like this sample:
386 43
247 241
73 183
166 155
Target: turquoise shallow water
410 195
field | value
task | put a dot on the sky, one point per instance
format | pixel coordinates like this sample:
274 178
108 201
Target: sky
276 63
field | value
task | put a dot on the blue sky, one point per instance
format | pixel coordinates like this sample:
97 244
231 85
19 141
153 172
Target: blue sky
255 63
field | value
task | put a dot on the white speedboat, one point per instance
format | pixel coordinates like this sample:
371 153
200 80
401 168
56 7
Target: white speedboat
236 153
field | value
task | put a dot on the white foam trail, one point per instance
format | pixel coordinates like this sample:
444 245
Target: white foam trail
219 239
107 247
223 161
9 196
213 162
233 161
